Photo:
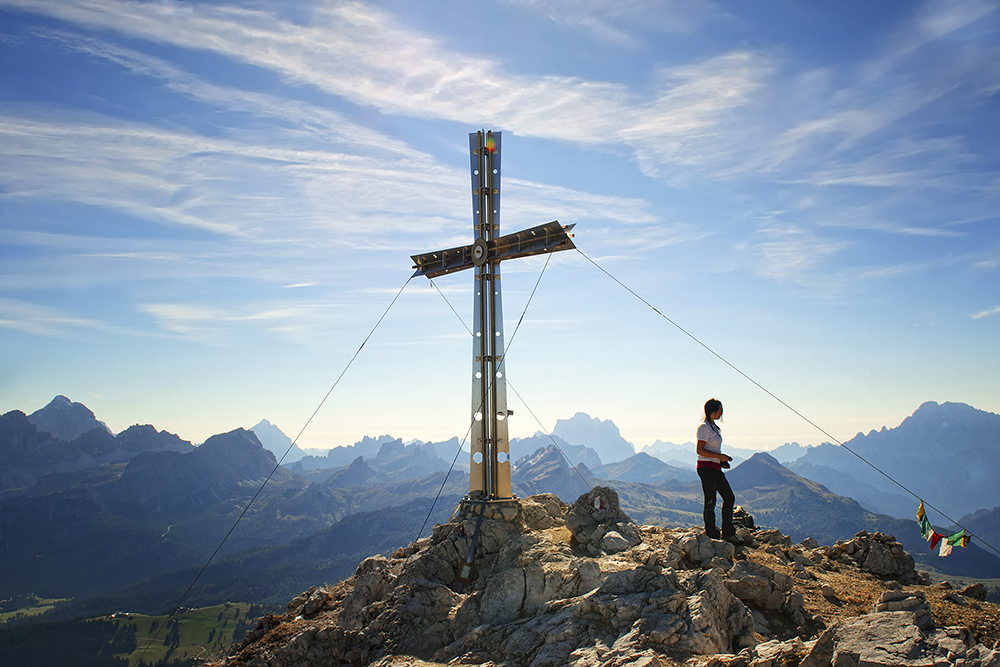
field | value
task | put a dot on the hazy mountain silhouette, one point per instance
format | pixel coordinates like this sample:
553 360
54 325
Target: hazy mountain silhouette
387 457
521 447
879 499
642 467
601 436
358 473
685 456
945 452
27 453
984 524
66 420
367 447
85 532
546 471
277 442
801 508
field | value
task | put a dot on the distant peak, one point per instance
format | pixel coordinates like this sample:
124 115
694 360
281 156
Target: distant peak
59 401
764 457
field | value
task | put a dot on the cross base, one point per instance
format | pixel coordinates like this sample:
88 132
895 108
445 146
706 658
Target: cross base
508 510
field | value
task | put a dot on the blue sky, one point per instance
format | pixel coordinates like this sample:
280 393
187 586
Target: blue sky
205 207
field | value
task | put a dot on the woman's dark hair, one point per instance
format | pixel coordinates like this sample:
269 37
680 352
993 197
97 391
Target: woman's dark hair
712 406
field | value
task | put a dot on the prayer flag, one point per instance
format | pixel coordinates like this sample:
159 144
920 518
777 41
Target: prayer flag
961 538
925 528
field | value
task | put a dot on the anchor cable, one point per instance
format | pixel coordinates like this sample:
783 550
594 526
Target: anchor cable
769 393
276 466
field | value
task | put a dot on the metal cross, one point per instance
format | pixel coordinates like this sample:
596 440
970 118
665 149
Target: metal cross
489 473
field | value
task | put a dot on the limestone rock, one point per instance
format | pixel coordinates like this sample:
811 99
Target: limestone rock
594 515
975 591
880 560
552 585
891 638
877 553
900 600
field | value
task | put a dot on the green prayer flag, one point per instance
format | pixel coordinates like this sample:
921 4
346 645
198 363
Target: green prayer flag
925 528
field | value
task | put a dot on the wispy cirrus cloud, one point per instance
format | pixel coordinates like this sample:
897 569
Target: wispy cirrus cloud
989 312
894 120
618 21
303 321
713 116
364 55
41 320
256 192
318 123
787 252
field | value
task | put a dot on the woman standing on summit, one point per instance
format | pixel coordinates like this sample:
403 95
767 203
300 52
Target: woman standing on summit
710 463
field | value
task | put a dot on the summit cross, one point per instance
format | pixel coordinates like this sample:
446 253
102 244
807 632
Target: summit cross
489 473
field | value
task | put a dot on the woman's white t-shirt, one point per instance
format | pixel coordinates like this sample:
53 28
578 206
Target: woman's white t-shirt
713 440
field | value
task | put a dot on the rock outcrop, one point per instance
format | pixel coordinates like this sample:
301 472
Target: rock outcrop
537 583
882 639
877 553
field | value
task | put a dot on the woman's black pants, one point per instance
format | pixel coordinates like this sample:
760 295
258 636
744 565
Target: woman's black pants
714 481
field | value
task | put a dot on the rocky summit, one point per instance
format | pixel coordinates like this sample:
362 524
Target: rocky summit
549 584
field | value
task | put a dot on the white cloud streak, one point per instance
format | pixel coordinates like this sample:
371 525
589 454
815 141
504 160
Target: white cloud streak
50 322
617 21
989 312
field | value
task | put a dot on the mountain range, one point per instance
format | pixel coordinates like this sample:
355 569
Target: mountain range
128 519
65 437
944 452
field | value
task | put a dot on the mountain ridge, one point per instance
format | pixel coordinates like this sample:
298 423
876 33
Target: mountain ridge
174 496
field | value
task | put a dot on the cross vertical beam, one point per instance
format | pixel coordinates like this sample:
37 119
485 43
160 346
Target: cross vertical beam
489 476
490 463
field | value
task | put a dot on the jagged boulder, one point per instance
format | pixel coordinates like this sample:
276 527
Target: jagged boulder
914 602
877 553
883 639
892 638
598 523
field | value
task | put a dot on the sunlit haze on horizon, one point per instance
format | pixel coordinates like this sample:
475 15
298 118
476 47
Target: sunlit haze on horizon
206 207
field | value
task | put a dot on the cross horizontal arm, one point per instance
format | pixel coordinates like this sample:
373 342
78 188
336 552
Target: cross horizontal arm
550 237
